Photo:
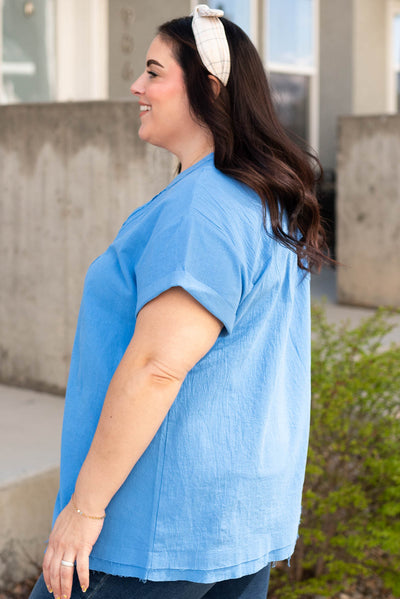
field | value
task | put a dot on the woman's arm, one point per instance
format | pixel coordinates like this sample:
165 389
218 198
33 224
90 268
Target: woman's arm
172 333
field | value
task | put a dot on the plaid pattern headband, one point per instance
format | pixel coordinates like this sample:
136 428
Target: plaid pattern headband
211 42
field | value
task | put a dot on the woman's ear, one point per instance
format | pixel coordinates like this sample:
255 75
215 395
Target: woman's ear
215 86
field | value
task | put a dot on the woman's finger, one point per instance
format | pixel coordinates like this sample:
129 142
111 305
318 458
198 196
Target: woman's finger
46 567
66 576
82 568
55 580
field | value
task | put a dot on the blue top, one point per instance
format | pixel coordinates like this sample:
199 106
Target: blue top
217 493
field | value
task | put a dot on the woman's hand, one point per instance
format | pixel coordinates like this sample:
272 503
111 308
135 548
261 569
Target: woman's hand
71 539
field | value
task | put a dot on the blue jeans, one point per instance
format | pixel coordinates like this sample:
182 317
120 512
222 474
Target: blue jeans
107 586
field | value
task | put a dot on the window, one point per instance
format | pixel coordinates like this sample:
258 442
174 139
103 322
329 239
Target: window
28 54
235 10
291 59
240 12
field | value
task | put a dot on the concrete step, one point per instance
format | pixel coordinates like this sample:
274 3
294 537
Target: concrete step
30 433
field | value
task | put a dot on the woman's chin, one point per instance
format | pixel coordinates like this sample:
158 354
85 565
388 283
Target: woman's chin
149 139
142 134
146 136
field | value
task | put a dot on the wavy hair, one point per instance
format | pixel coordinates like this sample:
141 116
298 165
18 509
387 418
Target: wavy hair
250 144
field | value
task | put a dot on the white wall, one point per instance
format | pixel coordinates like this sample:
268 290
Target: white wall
82 49
392 10
355 58
1 49
369 57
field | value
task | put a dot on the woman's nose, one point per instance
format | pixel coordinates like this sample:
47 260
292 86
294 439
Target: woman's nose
137 87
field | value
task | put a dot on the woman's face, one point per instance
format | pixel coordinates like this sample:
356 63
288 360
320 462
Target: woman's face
164 106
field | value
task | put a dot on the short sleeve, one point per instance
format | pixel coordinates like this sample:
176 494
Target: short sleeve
192 252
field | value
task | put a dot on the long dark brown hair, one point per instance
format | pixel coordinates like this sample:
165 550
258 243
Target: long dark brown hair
250 144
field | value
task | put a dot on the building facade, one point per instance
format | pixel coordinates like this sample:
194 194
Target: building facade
324 58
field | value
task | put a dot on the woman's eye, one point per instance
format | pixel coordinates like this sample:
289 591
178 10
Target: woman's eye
152 74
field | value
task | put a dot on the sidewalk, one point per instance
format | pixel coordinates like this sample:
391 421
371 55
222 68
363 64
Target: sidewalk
30 434
323 289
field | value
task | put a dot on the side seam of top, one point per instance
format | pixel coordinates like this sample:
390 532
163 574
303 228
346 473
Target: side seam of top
156 504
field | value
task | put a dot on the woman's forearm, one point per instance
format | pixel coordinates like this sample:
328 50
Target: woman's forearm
137 401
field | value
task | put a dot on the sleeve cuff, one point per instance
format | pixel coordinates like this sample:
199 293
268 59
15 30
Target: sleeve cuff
205 295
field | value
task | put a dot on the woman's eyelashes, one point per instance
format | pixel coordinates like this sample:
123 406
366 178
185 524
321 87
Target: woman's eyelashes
152 74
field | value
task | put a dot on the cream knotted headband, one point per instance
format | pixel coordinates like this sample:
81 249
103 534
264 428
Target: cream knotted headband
211 42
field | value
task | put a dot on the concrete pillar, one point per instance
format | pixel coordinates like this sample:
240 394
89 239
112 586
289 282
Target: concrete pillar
368 211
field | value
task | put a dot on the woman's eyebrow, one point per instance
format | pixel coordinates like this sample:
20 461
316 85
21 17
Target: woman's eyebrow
151 61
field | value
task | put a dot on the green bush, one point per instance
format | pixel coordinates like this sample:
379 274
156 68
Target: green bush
350 525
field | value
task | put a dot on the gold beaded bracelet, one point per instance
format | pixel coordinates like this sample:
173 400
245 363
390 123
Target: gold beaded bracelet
78 511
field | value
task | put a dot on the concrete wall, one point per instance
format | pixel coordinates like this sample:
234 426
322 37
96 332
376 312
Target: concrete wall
132 26
368 211
69 176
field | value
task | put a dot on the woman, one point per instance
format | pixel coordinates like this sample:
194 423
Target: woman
187 407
